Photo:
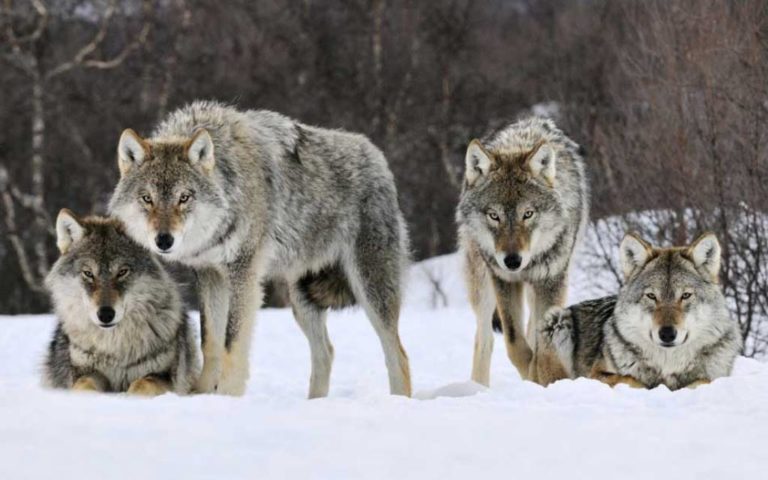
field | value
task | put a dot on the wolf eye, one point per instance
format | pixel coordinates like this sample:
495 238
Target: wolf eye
651 296
184 198
88 274
686 295
146 199
122 272
493 216
528 214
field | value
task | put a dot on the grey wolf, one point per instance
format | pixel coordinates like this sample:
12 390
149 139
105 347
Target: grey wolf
523 207
246 196
121 324
669 324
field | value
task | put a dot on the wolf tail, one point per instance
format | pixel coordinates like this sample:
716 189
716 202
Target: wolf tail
328 288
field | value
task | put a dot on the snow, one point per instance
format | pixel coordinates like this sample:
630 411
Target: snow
452 428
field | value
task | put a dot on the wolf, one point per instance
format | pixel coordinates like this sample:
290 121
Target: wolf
121 324
247 196
523 207
668 325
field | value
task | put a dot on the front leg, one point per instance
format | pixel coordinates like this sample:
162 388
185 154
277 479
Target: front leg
509 300
149 386
213 293
546 366
92 382
483 301
245 298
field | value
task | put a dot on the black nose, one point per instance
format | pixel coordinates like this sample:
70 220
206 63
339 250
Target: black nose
513 261
106 314
164 241
667 334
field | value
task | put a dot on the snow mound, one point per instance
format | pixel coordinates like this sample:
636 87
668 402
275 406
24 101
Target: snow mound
453 429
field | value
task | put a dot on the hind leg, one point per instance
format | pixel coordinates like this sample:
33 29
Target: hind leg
483 302
312 321
376 284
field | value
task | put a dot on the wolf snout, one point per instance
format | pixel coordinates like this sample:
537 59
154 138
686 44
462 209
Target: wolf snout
106 315
513 261
667 335
164 241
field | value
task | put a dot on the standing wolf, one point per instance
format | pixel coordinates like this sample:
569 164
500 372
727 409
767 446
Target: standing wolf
669 324
523 207
244 196
121 325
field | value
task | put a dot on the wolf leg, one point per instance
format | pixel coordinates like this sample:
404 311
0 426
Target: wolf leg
213 295
375 278
509 299
149 386
245 299
312 321
483 302
545 367
93 382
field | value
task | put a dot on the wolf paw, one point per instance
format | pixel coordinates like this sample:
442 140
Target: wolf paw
88 384
148 387
208 381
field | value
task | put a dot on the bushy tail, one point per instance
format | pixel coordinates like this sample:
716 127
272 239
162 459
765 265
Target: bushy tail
328 288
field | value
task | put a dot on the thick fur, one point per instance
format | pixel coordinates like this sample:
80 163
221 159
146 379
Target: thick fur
149 348
528 168
269 197
615 339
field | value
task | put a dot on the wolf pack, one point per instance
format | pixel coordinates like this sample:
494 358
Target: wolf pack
242 197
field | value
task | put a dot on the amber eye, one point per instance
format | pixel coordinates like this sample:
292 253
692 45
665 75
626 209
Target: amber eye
493 216
146 199
686 295
651 296
123 272
184 198
88 274
528 214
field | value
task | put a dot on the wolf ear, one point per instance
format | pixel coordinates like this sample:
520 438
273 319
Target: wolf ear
68 230
478 162
541 162
131 151
705 252
200 150
634 253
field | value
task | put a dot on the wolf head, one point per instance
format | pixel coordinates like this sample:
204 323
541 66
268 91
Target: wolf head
671 295
167 197
509 205
101 273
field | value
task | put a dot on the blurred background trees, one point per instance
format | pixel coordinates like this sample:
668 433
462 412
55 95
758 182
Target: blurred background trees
669 97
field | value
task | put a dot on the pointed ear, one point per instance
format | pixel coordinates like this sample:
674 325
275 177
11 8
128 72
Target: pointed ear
705 252
200 150
541 162
68 230
635 252
478 162
131 151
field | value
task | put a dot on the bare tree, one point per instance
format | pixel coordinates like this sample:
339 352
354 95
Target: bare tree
24 52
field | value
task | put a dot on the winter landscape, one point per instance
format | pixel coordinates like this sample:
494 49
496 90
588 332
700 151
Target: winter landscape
451 429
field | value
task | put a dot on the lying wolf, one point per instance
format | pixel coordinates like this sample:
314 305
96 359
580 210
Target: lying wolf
669 324
246 196
121 322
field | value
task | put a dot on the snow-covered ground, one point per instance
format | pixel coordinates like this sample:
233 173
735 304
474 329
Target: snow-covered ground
452 429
